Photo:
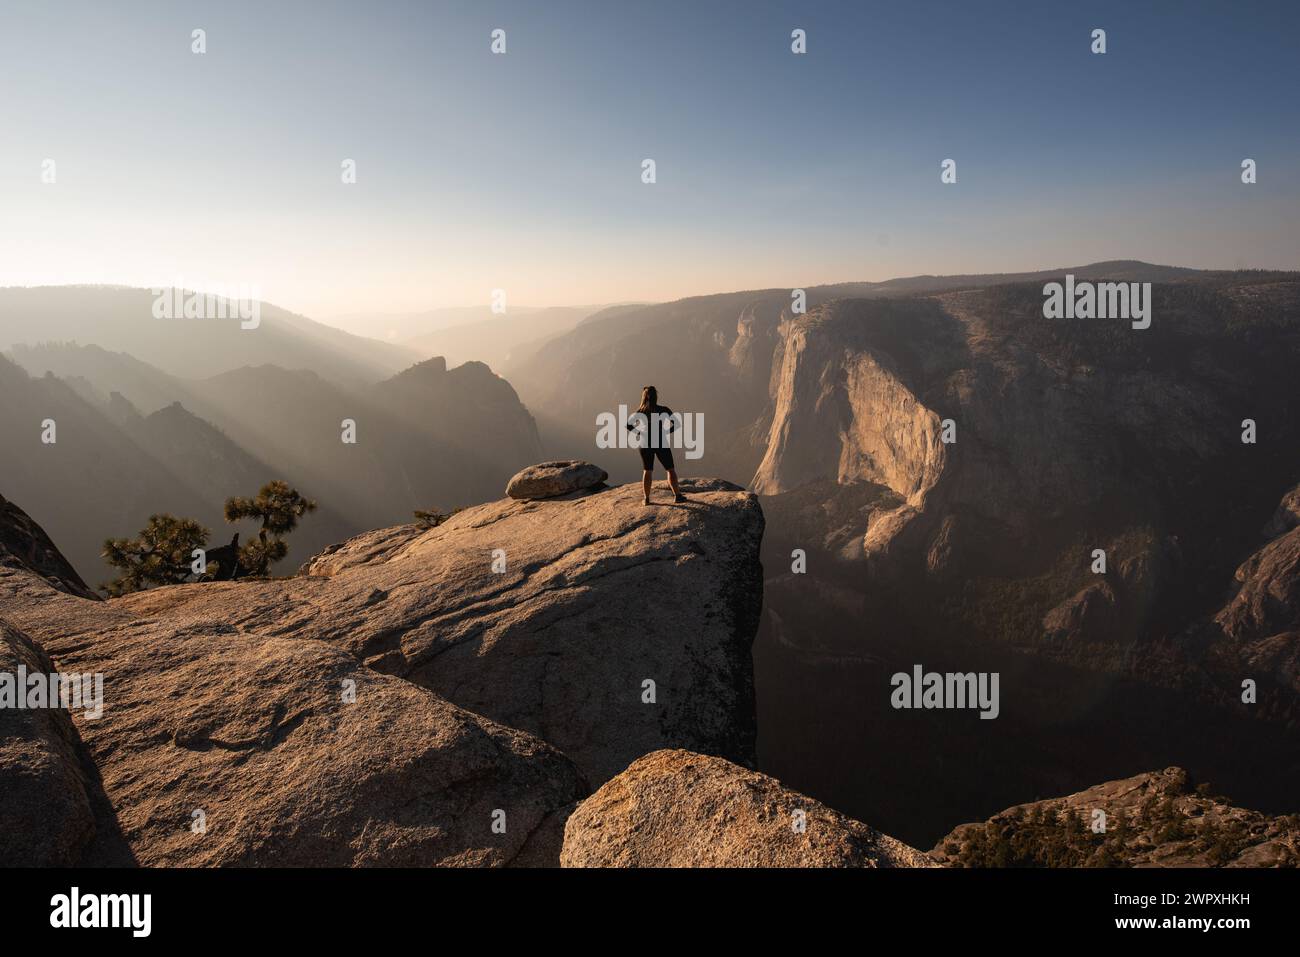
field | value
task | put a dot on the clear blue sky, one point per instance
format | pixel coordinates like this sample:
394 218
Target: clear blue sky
522 171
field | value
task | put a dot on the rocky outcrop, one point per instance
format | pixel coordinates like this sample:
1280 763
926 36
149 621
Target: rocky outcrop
321 720
1287 515
550 479
606 628
1261 623
1157 819
24 545
221 746
1268 599
1114 604
1088 615
673 808
314 721
752 352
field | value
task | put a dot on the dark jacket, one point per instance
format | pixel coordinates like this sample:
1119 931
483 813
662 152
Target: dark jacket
667 425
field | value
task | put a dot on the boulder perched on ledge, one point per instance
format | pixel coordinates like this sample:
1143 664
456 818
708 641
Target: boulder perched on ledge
550 479
679 809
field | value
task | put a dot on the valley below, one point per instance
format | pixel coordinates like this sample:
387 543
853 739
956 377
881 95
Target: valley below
977 555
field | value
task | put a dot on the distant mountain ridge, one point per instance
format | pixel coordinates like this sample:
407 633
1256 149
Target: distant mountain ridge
133 440
121 319
404 327
715 352
500 341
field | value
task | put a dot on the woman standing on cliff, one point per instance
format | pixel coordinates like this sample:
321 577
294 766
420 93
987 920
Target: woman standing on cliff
658 421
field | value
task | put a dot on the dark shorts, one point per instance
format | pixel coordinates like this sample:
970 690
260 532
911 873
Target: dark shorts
648 459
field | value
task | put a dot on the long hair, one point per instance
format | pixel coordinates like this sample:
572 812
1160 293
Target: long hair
649 399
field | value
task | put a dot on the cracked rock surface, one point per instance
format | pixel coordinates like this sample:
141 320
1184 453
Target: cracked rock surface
390 703
593 596
222 746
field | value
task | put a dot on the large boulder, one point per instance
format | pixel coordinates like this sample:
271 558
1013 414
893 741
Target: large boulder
550 479
606 628
46 819
674 808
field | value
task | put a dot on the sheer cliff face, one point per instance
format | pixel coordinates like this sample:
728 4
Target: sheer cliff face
1072 438
1057 428
1065 434
1067 438
1260 625
843 411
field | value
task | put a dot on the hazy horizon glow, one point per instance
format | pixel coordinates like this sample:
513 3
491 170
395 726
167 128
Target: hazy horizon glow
522 171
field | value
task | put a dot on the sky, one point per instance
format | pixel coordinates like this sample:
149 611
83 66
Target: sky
523 171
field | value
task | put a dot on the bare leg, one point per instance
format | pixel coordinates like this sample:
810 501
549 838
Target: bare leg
645 485
672 483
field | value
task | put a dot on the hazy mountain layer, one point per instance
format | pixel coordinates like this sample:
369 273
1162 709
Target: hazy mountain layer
500 341
121 319
427 438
